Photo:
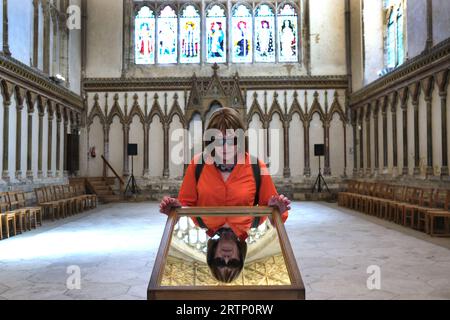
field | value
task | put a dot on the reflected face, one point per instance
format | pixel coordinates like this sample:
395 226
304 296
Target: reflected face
227 248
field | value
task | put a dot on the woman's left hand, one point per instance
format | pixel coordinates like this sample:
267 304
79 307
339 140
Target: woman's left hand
281 202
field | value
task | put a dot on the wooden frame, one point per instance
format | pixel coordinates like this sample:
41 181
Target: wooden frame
295 291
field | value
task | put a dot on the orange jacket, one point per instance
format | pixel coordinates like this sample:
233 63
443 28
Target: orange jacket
239 190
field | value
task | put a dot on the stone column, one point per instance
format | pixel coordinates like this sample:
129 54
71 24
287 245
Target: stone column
403 95
427 87
20 97
30 174
361 143
442 82
307 169
368 142
106 127
385 139
415 91
376 138
326 129
146 150
40 141
126 139
47 30
66 124
50 142
393 102
287 170
5 169
58 144
355 142
166 173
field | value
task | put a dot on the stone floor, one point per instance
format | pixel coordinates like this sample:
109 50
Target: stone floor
115 245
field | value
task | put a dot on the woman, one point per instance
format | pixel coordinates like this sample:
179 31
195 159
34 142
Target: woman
228 180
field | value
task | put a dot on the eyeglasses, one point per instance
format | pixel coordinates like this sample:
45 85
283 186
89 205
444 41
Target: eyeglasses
220 263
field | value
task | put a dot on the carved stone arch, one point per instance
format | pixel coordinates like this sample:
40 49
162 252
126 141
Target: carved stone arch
42 104
296 108
164 4
155 110
275 108
31 100
96 111
209 6
115 111
176 110
393 100
20 94
316 108
7 90
135 110
255 109
336 108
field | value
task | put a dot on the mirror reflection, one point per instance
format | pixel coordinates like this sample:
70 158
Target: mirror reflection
226 256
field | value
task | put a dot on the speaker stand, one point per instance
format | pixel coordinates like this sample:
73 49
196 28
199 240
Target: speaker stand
132 185
319 181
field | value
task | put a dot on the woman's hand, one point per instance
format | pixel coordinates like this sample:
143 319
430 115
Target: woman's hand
167 204
281 202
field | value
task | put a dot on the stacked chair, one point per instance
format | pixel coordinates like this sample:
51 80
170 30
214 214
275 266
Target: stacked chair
64 200
53 202
420 208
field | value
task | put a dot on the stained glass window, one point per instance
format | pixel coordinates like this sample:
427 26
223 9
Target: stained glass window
242 33
394 43
400 41
190 35
287 34
145 36
264 34
216 30
167 36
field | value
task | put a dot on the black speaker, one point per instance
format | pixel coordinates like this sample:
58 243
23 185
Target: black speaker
319 150
132 149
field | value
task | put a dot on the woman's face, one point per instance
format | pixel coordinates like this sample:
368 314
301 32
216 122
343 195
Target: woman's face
227 149
227 248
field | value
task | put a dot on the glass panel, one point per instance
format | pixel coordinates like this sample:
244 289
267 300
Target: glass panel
216 28
242 32
167 36
287 34
391 42
190 35
230 252
265 34
145 36
400 48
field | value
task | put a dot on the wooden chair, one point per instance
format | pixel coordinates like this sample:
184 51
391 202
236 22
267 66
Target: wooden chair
8 218
385 202
343 197
66 201
60 204
34 213
91 199
22 217
399 199
435 213
49 208
408 209
81 201
427 203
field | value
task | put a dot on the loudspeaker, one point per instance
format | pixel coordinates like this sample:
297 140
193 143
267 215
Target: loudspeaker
132 149
319 150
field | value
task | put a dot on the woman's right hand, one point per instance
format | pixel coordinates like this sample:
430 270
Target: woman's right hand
168 204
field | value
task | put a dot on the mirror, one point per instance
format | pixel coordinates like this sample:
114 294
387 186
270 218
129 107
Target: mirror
191 247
